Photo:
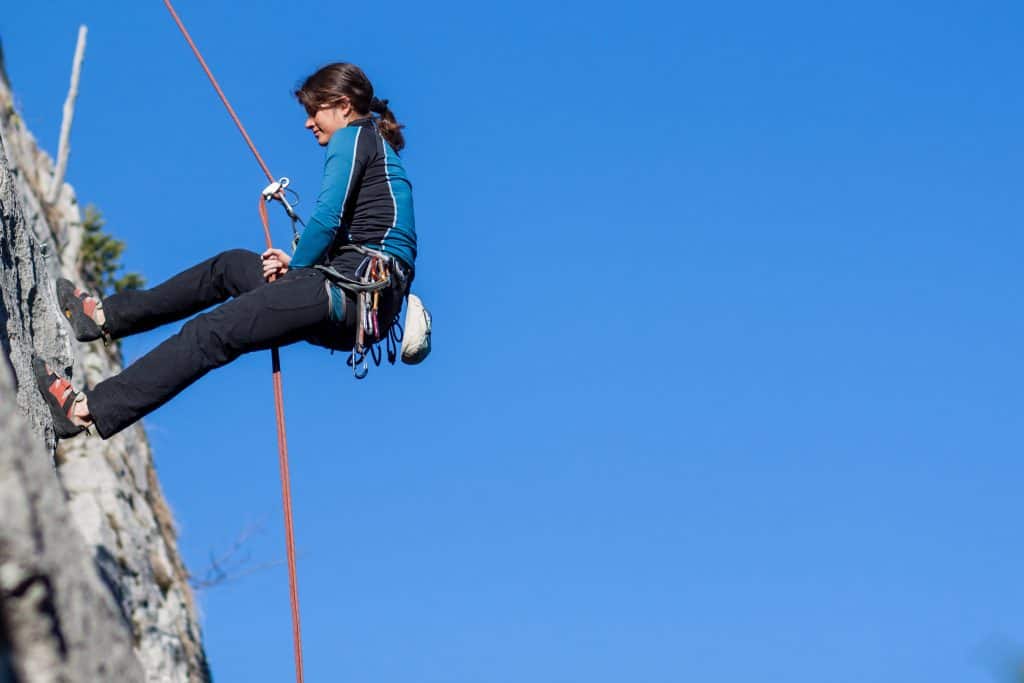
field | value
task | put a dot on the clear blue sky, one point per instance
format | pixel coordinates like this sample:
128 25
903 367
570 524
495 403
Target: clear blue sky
727 297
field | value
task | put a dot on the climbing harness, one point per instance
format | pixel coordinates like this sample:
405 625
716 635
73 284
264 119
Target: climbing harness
376 272
282 441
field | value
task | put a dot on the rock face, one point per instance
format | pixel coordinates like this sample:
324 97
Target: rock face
91 584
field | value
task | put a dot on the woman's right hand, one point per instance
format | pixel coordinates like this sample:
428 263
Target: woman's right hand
275 264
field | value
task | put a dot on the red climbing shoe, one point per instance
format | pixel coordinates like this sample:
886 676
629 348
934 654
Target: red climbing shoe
60 396
80 308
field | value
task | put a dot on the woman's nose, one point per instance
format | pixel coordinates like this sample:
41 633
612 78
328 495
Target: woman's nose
309 122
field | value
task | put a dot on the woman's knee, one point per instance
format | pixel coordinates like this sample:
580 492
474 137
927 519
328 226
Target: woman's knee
238 257
238 270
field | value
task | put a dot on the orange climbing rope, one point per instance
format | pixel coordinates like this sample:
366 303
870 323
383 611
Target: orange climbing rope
282 441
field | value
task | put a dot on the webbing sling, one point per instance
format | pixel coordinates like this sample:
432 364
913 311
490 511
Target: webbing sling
282 443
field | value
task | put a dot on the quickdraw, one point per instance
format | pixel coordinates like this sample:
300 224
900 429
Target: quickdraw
375 273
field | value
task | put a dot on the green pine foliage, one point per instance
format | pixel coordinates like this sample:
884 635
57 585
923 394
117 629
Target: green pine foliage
101 258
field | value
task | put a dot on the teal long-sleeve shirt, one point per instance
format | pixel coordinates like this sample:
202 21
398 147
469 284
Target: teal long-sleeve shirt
339 172
365 192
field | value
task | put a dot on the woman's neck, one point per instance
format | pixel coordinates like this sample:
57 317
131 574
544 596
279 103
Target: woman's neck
353 116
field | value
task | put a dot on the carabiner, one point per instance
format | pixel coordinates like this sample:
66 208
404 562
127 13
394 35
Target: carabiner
356 358
276 190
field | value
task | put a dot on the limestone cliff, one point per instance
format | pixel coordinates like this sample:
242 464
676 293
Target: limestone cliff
91 584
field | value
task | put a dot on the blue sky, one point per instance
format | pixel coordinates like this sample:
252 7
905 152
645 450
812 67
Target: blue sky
726 381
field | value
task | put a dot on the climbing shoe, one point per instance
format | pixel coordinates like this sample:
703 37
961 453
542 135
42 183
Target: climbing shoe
60 396
79 308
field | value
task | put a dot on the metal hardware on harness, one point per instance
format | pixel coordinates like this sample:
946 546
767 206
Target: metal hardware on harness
360 366
372 271
373 275
278 190
271 190
359 286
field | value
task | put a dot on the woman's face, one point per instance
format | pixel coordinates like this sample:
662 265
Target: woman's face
330 118
324 121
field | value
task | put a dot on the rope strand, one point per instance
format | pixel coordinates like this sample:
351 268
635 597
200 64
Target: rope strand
275 356
220 93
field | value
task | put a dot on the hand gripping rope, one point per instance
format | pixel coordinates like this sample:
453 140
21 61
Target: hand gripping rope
276 190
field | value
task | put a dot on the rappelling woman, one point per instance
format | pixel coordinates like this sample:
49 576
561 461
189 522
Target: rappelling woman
363 221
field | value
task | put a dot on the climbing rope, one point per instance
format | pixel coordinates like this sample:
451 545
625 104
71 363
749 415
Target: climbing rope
282 442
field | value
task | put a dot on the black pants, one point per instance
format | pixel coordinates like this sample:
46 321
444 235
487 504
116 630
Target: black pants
260 315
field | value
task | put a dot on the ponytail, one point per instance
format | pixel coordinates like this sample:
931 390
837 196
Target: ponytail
332 82
389 127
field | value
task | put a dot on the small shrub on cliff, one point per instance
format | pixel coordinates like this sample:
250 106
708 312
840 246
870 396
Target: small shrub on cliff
101 257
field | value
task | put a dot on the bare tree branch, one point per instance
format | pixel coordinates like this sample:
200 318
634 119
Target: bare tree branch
64 149
3 67
234 563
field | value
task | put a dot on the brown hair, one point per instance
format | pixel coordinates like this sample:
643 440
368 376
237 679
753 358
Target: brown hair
335 81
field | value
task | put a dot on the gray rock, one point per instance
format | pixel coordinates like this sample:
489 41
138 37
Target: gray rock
60 620
92 587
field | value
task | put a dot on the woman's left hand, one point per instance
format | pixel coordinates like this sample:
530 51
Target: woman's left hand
275 264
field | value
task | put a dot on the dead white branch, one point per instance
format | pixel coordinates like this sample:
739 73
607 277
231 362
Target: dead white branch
64 149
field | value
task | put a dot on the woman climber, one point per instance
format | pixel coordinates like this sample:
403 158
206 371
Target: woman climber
361 234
